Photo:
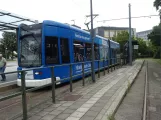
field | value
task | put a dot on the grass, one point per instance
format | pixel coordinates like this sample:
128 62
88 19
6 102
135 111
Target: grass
111 117
157 60
128 86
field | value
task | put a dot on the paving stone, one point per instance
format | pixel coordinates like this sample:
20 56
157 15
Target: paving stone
61 108
56 105
31 113
82 100
35 117
83 110
63 116
48 117
99 104
87 118
67 104
87 105
73 118
77 114
74 107
19 118
96 108
91 113
68 111
49 109
102 101
78 103
36 110
99 117
55 112
42 113
87 96
91 102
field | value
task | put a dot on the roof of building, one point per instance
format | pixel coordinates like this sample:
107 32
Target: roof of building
144 31
114 28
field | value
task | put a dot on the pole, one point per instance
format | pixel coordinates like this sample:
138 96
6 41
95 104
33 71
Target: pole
24 102
53 79
109 33
92 38
130 42
160 37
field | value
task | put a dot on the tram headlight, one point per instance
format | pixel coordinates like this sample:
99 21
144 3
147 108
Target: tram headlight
38 73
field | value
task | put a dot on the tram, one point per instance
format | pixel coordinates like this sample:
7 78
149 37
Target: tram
51 43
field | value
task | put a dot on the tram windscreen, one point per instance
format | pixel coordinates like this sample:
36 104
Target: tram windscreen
30 46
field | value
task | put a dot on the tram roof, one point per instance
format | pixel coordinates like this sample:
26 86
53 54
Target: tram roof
49 22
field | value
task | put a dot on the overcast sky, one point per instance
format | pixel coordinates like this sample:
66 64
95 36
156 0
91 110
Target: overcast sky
66 10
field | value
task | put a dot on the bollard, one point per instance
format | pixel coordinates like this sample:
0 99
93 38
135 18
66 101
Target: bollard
71 88
83 82
104 67
53 79
108 67
114 64
111 64
24 103
98 69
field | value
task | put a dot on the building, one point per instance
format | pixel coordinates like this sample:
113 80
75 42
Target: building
143 34
110 32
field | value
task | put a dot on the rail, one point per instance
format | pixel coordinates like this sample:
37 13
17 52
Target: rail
145 93
53 80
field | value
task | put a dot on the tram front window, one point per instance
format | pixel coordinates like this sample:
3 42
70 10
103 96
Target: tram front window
30 49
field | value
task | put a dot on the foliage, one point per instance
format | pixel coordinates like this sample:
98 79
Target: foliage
8 44
142 46
111 117
122 37
155 37
146 48
157 4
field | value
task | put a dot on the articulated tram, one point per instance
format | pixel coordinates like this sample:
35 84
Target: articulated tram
52 43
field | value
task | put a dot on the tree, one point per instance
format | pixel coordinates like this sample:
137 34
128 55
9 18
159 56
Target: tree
122 37
157 4
8 44
155 37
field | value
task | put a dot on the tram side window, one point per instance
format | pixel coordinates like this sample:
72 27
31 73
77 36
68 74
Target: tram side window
102 53
51 50
88 52
65 50
78 51
106 52
96 51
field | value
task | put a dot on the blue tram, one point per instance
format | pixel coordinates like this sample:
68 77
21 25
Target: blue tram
51 43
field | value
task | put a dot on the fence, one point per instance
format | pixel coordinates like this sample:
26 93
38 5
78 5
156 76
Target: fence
119 62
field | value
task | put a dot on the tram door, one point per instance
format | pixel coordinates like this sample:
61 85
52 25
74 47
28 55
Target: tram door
51 50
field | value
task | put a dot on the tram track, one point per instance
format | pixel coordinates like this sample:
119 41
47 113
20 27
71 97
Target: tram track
144 113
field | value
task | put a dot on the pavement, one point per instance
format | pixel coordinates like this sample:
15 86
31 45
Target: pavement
96 101
154 91
132 105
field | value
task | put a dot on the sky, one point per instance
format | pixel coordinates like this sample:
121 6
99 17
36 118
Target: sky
66 10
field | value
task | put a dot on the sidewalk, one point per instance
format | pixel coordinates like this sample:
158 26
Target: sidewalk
131 107
154 91
92 102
